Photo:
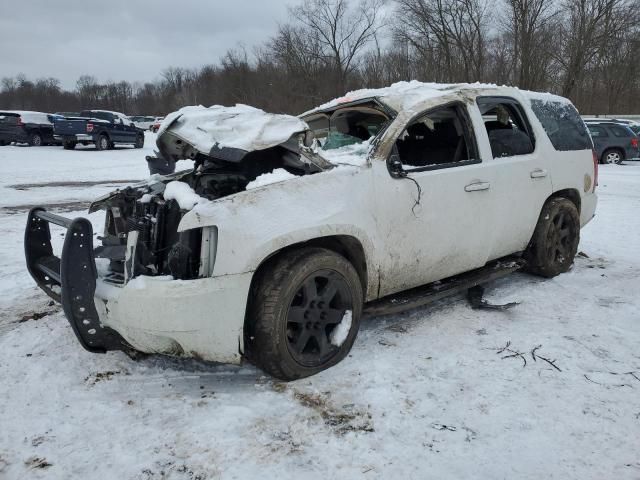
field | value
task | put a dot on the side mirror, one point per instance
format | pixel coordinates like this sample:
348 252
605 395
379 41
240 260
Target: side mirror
395 164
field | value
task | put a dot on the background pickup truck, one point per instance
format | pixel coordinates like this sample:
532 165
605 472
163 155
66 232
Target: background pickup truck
102 128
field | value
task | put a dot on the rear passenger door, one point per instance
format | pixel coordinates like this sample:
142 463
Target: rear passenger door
520 168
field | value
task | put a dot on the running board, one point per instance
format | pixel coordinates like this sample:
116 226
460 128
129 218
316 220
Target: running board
426 294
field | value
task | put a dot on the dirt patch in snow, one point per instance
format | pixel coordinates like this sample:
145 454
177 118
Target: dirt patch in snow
60 207
27 186
347 418
103 376
37 462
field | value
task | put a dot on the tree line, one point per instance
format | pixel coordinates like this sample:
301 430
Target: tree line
586 50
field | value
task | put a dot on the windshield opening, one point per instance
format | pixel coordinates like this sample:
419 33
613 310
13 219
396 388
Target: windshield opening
347 126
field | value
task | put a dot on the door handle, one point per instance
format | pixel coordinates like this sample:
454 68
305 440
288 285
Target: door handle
477 186
538 173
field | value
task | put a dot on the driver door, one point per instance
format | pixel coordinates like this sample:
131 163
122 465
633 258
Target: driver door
434 202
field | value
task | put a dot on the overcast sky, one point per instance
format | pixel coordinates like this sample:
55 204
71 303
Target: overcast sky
127 39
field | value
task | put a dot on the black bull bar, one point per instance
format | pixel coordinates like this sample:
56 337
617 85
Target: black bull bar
71 278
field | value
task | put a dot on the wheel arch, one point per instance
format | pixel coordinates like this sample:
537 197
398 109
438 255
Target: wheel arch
571 194
348 246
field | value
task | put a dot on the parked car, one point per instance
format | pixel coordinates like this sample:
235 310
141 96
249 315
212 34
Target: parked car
143 123
156 124
33 128
276 242
102 128
614 142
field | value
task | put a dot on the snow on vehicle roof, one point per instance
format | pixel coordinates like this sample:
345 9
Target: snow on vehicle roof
28 116
242 127
406 95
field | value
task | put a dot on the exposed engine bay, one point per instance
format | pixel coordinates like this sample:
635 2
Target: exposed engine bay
140 234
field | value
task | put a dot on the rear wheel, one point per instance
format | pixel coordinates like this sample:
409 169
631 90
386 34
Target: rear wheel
555 240
612 156
35 140
304 313
2 143
102 143
69 145
139 141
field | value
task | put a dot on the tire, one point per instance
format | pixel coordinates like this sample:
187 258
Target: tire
139 141
296 304
612 156
69 145
102 143
35 140
555 240
2 143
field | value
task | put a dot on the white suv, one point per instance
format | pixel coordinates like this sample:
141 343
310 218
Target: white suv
287 228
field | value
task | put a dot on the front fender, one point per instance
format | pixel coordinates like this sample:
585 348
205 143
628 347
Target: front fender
254 224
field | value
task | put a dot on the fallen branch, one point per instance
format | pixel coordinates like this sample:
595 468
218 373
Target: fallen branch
550 362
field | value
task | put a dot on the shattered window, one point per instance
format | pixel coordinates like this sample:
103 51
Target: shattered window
352 126
563 125
435 139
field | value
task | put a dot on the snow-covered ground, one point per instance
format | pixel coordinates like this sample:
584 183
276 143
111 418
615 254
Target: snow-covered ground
439 392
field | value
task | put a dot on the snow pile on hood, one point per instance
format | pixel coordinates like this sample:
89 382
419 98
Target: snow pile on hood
278 175
341 331
242 127
182 193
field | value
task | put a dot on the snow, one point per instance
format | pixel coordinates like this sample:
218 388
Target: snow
341 331
31 117
277 175
401 95
240 127
423 394
182 193
350 155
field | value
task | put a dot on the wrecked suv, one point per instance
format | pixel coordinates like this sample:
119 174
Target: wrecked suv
288 229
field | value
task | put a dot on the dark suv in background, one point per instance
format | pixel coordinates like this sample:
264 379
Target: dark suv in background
33 128
614 141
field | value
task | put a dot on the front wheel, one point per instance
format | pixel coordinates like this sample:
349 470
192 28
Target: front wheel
555 240
139 141
304 313
69 145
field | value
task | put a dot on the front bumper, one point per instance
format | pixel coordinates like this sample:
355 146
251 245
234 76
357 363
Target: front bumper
71 278
200 318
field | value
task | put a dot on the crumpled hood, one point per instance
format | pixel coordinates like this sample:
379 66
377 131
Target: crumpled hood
240 128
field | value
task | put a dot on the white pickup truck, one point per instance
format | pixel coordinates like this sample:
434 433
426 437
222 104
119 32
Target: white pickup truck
289 228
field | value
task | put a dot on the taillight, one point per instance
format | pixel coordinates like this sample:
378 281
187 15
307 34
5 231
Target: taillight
595 170
89 127
634 142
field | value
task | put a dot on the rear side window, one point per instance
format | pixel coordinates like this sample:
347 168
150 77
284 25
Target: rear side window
8 119
597 131
563 125
620 131
507 126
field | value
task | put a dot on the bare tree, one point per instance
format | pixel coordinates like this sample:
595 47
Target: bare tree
343 31
449 35
530 23
591 26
